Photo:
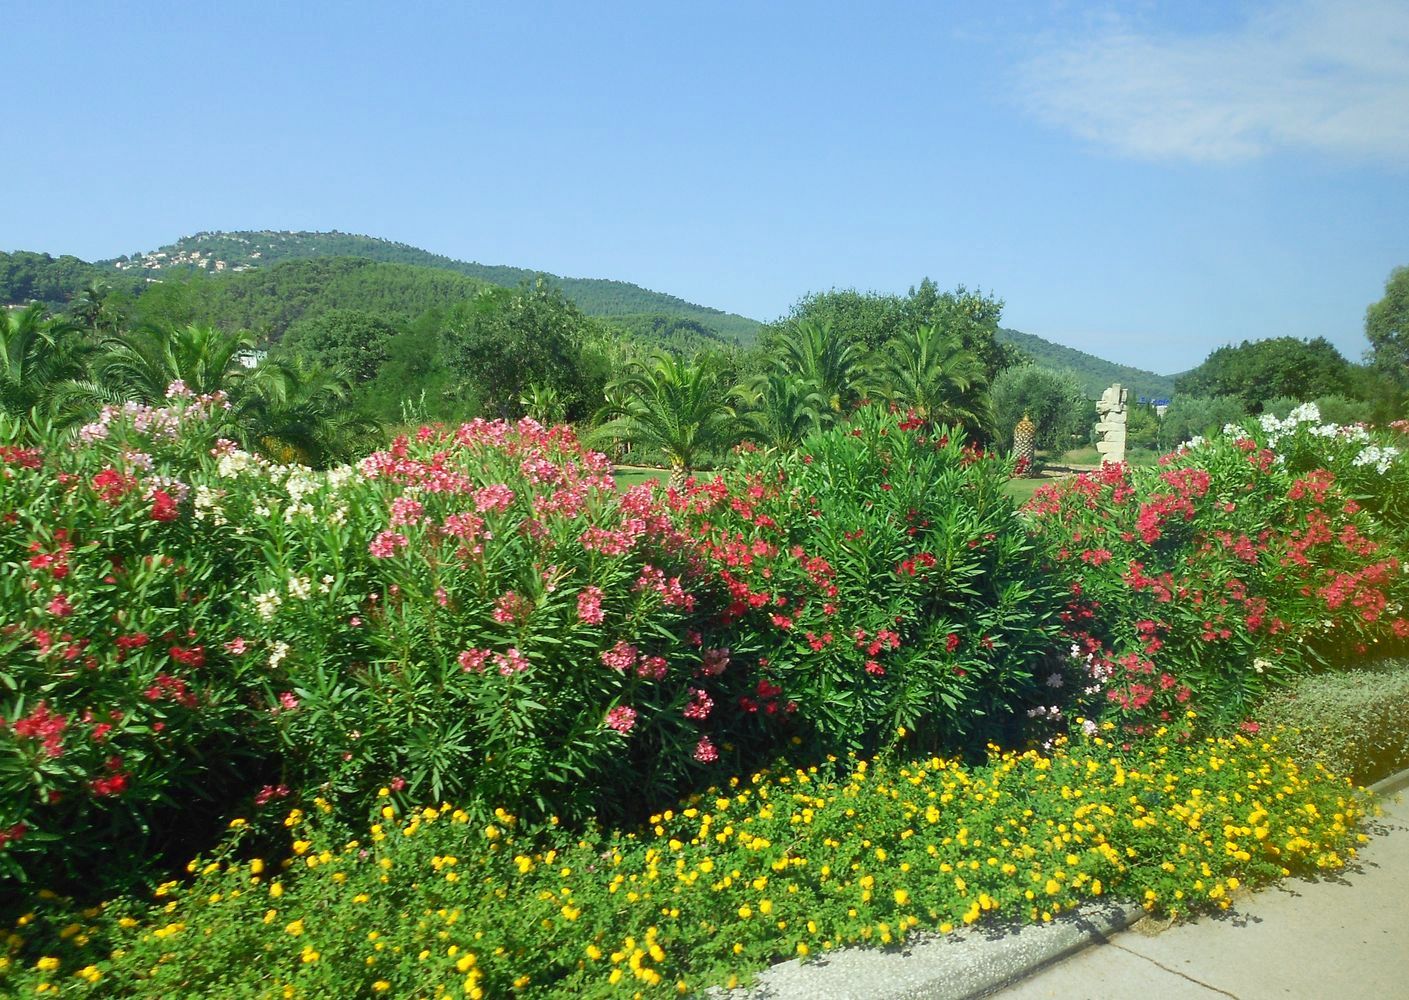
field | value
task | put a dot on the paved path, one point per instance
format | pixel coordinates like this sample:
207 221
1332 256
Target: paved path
1347 937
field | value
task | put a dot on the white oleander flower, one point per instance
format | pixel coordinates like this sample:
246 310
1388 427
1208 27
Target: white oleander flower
267 603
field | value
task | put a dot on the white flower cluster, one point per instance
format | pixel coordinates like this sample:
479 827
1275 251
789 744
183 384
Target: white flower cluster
1306 413
267 603
1380 457
208 505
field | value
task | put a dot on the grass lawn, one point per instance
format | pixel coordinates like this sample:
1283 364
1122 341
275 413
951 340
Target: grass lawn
1090 456
1021 490
628 476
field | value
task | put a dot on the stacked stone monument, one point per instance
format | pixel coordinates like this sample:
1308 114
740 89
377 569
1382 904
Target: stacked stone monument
1111 413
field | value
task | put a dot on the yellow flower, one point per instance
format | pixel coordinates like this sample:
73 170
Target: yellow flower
47 964
294 927
381 986
256 866
308 955
902 897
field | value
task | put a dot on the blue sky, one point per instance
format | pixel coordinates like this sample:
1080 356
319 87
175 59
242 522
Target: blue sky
1145 181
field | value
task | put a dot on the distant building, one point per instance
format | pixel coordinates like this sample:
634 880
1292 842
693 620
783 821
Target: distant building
251 359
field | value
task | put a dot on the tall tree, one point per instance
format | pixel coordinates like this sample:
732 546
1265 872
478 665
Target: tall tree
1259 370
781 409
503 342
351 341
1387 327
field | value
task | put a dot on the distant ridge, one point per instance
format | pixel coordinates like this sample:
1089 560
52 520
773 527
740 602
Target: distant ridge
249 249
1094 373
26 275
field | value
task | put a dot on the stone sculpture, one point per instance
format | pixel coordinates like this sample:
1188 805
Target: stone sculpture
1111 413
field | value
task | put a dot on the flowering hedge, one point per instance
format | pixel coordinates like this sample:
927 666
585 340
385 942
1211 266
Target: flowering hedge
755 869
879 578
120 703
1233 566
476 614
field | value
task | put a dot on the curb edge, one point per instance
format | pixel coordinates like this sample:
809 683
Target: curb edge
1121 921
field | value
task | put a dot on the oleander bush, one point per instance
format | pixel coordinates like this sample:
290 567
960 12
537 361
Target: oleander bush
781 863
880 578
1231 568
1354 722
124 722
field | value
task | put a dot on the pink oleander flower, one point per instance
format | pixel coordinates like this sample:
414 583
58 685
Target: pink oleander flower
699 706
289 701
512 662
407 510
652 668
589 606
622 719
705 751
496 496
472 660
511 608
621 657
386 544
60 607
237 646
714 661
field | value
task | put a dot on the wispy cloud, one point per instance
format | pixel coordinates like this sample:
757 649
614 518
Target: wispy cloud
1321 75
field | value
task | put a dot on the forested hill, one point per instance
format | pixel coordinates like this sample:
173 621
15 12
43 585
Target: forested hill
1094 373
242 251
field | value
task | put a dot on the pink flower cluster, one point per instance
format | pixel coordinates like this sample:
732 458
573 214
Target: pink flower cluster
622 718
387 543
589 605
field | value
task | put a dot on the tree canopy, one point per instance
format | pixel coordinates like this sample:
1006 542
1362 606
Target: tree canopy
1258 370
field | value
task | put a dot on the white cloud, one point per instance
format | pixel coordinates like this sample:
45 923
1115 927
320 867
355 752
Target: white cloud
1319 75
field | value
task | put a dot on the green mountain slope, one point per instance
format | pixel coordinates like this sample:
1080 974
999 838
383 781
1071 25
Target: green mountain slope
1094 373
248 250
271 299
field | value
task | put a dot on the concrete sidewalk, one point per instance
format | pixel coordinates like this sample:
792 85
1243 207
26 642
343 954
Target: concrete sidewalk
1346 937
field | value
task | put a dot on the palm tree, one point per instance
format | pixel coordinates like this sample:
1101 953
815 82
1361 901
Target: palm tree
782 409
93 309
294 412
932 373
674 407
39 356
141 365
832 363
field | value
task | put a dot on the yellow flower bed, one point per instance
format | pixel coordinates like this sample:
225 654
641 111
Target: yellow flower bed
433 903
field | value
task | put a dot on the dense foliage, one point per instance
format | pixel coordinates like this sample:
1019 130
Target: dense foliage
881 574
1053 400
1259 370
1353 722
